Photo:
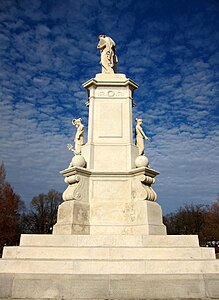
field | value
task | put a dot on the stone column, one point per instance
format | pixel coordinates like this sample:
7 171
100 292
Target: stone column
110 143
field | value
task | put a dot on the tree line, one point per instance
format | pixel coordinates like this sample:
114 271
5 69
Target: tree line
199 219
15 218
40 217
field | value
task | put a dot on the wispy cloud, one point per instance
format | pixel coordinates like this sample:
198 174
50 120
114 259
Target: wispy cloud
48 49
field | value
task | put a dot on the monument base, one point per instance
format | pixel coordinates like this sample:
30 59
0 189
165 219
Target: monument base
131 218
108 267
97 202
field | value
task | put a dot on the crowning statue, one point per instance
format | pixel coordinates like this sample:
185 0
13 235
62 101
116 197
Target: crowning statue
108 58
140 136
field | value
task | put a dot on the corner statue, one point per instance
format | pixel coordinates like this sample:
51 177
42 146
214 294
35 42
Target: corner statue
108 58
140 136
79 136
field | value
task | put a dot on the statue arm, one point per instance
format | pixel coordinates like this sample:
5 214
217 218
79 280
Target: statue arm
143 134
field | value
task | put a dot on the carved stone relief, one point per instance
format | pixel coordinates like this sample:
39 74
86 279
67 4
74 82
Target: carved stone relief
110 93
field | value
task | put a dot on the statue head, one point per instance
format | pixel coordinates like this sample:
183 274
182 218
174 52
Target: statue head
77 122
139 121
102 41
101 36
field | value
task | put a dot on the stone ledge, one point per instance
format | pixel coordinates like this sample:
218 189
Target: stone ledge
107 267
90 172
166 241
108 80
100 253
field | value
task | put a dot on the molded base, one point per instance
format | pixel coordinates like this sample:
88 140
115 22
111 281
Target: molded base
73 218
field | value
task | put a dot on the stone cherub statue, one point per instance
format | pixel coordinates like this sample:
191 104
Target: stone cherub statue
79 137
108 58
140 136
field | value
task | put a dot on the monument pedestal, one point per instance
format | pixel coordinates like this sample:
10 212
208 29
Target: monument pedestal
99 202
110 196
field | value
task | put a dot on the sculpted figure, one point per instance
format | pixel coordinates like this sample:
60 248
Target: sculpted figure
140 136
79 136
108 58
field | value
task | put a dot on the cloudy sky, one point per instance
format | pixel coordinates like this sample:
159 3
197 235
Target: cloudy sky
170 48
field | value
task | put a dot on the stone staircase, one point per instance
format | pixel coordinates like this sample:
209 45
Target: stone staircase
108 267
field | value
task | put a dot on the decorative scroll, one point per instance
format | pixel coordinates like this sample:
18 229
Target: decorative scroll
141 188
77 189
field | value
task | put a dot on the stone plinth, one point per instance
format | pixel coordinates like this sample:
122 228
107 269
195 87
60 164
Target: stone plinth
98 202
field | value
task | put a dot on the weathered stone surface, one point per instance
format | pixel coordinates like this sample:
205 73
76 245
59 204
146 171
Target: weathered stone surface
103 253
150 241
39 286
51 286
157 286
136 266
212 285
73 218
6 281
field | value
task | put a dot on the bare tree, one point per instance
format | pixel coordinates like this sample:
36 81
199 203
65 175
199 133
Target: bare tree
188 220
211 230
43 213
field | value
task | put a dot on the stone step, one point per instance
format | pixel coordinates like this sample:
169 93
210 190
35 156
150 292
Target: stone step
150 241
99 253
114 287
27 266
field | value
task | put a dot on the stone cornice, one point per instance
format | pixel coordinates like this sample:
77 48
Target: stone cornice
77 170
116 80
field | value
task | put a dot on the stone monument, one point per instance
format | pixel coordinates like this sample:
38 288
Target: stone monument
109 241
110 195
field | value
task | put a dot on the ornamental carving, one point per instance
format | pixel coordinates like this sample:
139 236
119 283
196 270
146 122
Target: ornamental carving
110 93
77 189
141 188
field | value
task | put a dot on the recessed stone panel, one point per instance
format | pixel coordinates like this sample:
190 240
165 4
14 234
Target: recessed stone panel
113 190
109 119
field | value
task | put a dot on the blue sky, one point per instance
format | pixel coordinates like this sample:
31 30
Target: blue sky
170 48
